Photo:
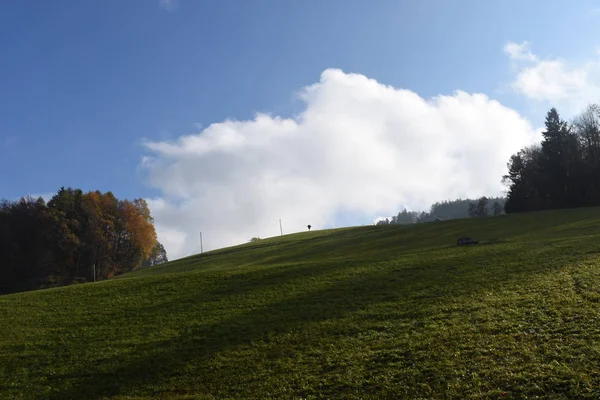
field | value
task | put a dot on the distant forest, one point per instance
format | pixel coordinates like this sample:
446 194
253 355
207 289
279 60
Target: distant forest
461 208
563 171
76 237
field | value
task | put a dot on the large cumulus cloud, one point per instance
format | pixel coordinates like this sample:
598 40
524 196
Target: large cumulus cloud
358 146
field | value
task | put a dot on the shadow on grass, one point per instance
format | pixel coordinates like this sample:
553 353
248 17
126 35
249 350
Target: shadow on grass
159 363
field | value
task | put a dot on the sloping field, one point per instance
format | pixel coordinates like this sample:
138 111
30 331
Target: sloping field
371 312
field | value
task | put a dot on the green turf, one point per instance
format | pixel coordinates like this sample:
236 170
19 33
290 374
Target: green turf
371 312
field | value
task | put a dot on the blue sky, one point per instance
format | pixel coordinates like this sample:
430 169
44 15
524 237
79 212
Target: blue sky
84 84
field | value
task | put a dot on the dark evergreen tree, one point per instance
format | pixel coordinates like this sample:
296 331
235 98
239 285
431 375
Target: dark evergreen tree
553 186
525 177
563 171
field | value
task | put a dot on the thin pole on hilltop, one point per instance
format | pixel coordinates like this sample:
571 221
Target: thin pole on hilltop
201 247
280 228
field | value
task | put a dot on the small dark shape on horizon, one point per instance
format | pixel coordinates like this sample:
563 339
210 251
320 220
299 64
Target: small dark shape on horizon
308 226
466 241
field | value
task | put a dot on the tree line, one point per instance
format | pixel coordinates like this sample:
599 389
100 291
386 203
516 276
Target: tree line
563 171
75 237
449 209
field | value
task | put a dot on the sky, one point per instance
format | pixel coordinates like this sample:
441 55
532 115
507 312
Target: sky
227 116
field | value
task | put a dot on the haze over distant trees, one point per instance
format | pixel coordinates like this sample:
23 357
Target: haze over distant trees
563 171
449 209
73 237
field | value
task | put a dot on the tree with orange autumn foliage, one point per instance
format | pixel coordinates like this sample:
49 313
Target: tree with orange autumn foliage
79 237
140 236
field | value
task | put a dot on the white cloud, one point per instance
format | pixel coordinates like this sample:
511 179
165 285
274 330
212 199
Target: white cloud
569 87
520 51
169 5
358 146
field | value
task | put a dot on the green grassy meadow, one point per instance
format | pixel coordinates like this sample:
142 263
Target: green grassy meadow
377 312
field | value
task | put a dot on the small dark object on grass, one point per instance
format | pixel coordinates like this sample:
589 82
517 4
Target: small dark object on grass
466 240
308 226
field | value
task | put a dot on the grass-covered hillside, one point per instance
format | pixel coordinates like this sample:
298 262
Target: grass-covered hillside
372 312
